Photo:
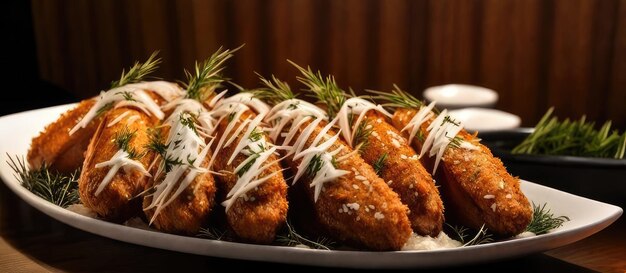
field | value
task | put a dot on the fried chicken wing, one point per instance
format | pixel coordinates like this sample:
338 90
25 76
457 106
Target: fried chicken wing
400 167
475 185
257 214
114 171
58 149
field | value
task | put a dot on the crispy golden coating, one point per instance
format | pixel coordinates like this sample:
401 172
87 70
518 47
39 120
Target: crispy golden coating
405 174
57 148
117 201
357 208
190 211
258 218
475 186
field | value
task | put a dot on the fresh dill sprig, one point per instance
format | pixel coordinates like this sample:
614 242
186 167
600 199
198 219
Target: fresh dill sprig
248 164
361 135
138 71
325 90
396 98
379 164
544 221
213 233
292 238
52 186
460 233
155 142
314 166
274 92
189 120
122 140
573 138
207 75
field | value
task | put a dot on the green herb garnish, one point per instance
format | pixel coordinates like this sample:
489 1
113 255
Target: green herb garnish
207 75
573 138
138 71
52 186
325 90
396 98
544 221
361 135
122 139
275 91
314 166
379 164
292 238
460 233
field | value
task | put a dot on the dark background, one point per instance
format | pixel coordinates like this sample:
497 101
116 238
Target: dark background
536 53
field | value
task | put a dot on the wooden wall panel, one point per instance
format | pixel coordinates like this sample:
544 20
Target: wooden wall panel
536 54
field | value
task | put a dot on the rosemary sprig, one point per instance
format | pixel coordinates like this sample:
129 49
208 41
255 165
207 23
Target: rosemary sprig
396 98
544 221
325 90
460 233
54 187
292 238
122 140
274 92
207 75
573 138
361 135
138 71
379 164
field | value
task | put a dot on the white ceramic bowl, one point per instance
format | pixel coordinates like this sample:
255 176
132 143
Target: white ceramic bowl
484 119
455 96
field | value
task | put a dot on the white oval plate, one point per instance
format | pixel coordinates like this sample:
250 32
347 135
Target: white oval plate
587 217
485 120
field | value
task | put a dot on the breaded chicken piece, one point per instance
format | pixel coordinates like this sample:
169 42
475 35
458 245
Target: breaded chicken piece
357 208
115 198
475 186
363 126
190 211
57 148
263 211
404 173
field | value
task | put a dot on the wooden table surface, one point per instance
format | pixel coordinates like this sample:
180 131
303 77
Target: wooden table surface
30 241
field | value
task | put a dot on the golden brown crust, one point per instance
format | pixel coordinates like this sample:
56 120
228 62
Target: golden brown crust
190 211
379 223
117 200
404 173
258 218
57 148
475 185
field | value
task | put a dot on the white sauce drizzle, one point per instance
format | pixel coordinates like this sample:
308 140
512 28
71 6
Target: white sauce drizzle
118 118
184 144
441 132
355 106
297 112
257 149
140 99
119 160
